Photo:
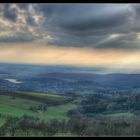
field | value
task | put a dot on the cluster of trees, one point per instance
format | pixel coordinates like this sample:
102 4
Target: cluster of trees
99 103
29 126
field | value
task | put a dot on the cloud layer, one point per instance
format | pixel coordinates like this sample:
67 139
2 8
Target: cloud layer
72 25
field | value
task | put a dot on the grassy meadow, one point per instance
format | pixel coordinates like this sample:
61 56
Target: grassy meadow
18 107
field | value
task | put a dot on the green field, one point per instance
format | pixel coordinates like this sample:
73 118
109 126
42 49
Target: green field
59 112
44 95
121 114
2 121
19 107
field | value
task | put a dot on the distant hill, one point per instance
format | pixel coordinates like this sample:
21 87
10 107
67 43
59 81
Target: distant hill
61 79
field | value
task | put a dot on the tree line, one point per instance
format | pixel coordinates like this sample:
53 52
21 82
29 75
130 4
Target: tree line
82 126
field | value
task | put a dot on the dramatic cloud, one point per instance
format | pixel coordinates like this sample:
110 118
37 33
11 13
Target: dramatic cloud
72 25
19 23
91 25
10 13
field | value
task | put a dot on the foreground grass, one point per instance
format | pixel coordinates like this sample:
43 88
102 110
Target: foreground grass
2 121
59 112
19 107
65 135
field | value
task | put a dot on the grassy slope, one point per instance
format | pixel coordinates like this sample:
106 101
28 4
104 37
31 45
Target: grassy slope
59 111
43 95
19 107
16 107
2 121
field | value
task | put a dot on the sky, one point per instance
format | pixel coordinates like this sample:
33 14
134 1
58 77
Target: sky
95 35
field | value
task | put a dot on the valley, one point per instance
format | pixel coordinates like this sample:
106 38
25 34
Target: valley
77 101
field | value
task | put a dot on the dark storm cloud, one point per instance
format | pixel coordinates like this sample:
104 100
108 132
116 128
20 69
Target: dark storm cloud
86 25
30 20
84 17
18 37
18 24
9 12
80 25
23 6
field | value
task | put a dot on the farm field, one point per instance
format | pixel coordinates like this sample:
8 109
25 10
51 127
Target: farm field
18 107
43 95
50 99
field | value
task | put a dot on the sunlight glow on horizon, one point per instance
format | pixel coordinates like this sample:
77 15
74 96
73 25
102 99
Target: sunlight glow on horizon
39 53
